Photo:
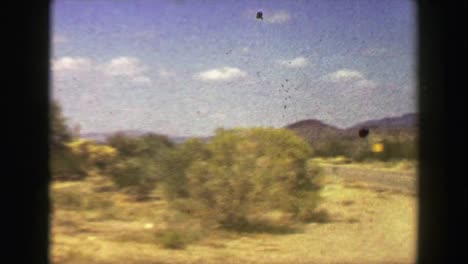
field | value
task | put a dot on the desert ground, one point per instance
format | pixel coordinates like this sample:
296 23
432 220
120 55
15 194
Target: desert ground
369 221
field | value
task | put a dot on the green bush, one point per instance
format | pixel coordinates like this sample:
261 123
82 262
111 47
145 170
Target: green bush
180 230
247 171
69 199
173 239
333 148
64 165
177 162
150 146
137 176
394 149
140 162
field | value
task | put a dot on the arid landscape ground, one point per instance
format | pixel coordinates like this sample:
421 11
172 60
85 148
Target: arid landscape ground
366 223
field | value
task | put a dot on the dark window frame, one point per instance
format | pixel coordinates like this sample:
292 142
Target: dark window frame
27 144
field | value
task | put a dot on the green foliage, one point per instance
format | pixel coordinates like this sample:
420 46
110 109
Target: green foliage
92 156
126 146
333 148
147 146
59 132
242 171
398 149
70 199
395 148
64 164
176 163
180 230
140 162
172 239
133 172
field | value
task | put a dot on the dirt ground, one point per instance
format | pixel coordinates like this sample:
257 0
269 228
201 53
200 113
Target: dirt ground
366 225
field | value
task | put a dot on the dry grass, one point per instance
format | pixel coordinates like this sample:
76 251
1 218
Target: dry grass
363 226
395 166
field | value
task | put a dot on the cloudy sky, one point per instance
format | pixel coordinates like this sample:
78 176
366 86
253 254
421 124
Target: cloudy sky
184 68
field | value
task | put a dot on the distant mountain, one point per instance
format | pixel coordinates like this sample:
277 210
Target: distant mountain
101 137
317 132
313 130
406 120
405 125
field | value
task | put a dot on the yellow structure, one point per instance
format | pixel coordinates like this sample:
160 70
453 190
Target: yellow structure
377 147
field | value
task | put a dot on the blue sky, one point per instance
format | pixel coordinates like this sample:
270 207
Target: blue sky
184 68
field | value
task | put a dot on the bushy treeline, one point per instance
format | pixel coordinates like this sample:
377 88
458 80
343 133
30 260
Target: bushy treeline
140 162
241 173
362 149
63 163
237 176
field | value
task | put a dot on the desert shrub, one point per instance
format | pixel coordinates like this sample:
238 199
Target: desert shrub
304 206
173 239
180 230
319 216
393 150
68 199
140 162
135 176
176 163
250 170
333 148
64 165
399 149
92 155
60 134
146 146
396 147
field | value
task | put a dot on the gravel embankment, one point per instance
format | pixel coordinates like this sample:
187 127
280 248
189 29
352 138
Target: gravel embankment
391 180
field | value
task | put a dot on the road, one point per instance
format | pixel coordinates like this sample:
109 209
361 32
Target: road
383 179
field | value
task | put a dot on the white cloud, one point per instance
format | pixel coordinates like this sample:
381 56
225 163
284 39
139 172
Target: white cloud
344 75
349 76
276 17
71 64
245 49
126 67
123 66
298 62
220 74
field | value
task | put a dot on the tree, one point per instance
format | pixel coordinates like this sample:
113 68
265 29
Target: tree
64 164
93 155
247 171
176 162
60 134
139 164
